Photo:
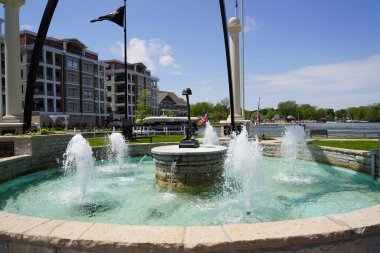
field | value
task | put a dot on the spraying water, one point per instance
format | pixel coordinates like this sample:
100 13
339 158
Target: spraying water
118 148
244 166
78 160
293 143
210 136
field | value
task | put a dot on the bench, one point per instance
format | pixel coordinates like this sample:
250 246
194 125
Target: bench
319 132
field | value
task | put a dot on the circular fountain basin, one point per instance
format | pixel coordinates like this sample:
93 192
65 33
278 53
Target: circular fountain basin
188 166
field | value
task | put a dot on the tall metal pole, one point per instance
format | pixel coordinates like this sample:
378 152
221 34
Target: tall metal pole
37 51
125 64
228 58
242 57
1 78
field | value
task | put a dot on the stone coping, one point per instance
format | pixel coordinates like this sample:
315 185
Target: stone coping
305 233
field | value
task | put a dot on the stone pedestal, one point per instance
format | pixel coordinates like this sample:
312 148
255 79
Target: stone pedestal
180 167
239 123
234 29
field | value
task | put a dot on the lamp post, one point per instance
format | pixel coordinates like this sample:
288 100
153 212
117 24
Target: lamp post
189 140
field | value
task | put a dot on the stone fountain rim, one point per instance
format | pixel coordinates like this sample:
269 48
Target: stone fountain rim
323 230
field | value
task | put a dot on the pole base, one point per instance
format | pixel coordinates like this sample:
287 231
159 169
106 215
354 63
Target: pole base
189 144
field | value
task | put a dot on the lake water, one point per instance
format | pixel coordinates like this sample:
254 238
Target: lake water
334 129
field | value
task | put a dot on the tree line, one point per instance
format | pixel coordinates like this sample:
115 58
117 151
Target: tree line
290 110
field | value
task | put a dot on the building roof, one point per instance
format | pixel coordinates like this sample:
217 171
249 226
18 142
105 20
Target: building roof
76 41
178 101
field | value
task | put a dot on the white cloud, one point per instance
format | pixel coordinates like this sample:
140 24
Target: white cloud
176 73
166 60
249 23
27 27
335 85
151 52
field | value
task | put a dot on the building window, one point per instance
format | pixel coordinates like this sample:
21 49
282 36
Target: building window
49 57
73 106
88 94
73 91
50 89
49 73
72 77
58 90
58 106
87 67
57 60
87 80
57 75
88 107
72 63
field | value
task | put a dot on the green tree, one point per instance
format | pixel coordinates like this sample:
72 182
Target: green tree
330 114
307 112
321 113
341 114
287 108
219 112
143 109
271 113
200 109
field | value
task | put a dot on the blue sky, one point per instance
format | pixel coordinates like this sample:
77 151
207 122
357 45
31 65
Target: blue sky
322 52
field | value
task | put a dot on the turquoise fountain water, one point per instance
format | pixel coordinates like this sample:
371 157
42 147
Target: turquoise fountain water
254 190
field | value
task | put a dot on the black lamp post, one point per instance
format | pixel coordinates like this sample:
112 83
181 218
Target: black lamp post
189 140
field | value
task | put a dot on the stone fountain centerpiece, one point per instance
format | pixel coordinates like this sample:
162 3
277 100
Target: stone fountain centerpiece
188 164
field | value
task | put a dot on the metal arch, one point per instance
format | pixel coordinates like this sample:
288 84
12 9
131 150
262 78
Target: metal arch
228 58
36 54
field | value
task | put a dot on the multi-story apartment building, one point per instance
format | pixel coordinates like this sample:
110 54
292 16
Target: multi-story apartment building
139 78
70 81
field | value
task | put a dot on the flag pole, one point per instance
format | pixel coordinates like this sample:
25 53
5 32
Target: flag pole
258 113
125 64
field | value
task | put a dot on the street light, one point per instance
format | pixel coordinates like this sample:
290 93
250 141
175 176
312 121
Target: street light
189 140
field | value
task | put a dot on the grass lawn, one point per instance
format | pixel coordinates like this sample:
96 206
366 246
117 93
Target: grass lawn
102 141
354 144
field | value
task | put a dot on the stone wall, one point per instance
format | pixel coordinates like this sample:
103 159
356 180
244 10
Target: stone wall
351 159
133 149
32 153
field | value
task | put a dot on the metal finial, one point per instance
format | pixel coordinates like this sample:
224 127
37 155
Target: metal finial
236 8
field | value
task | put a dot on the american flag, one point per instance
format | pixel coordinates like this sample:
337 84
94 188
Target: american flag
203 120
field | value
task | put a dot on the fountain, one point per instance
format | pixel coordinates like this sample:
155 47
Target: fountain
78 160
244 166
210 136
245 195
118 148
293 143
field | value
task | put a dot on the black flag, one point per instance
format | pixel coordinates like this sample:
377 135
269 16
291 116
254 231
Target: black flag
117 17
